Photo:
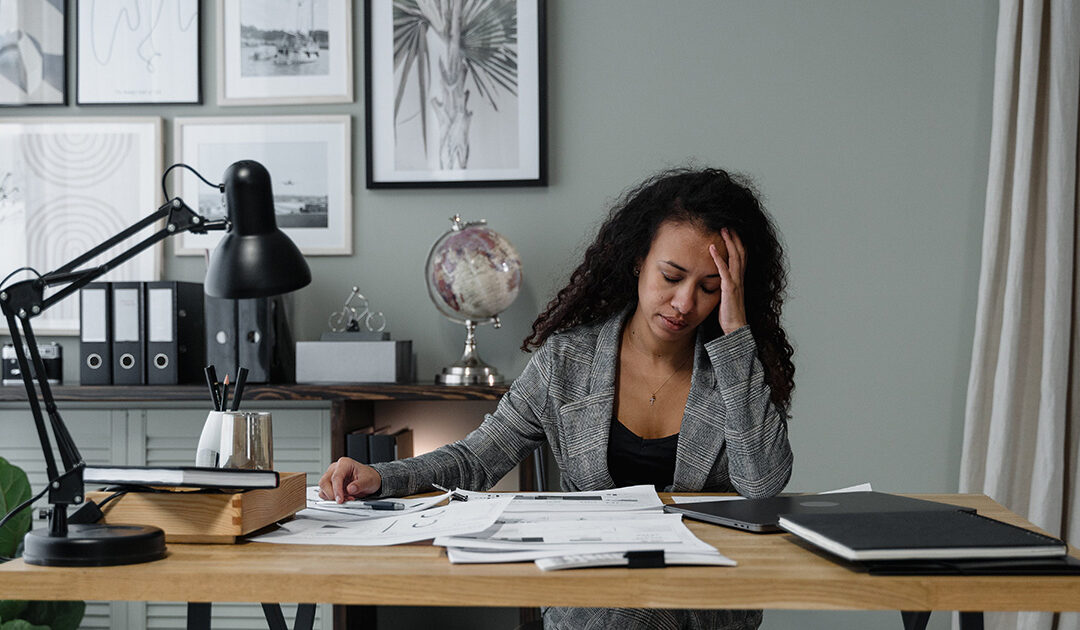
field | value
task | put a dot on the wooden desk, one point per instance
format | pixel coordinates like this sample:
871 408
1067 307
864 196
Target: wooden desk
774 572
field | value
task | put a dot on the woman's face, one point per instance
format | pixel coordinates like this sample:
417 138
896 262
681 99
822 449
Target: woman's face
679 284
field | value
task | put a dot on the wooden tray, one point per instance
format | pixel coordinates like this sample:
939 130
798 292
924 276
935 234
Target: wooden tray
190 517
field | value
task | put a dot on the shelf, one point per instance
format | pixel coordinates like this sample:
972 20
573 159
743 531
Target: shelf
353 392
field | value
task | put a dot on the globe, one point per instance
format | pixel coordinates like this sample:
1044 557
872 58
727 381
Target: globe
473 273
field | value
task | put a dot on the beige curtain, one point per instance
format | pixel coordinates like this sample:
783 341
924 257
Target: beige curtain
1022 421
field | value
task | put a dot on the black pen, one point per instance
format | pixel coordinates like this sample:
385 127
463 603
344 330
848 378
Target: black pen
211 381
238 388
384 505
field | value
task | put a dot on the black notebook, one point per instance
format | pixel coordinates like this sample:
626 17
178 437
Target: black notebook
919 535
187 476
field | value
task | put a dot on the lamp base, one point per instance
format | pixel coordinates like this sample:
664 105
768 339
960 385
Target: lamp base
95 546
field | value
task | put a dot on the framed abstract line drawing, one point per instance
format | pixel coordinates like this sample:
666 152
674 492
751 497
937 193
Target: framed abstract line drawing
137 52
308 158
33 53
284 51
69 184
455 93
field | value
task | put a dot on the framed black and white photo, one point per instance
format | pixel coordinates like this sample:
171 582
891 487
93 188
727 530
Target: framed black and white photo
33 59
455 93
137 52
308 158
68 184
284 51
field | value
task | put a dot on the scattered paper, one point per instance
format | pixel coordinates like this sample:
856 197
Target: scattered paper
358 509
452 519
862 487
580 561
629 499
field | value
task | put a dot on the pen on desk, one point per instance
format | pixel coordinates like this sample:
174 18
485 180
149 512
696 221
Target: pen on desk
211 382
238 389
384 505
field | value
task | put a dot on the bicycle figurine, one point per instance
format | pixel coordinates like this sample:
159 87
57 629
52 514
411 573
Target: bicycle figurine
355 316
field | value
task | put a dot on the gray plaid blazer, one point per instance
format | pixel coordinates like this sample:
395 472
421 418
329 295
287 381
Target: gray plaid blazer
732 438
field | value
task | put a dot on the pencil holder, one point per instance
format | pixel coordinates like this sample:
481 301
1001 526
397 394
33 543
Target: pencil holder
247 440
206 454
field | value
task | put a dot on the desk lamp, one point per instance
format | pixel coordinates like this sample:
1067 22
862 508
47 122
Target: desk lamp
253 259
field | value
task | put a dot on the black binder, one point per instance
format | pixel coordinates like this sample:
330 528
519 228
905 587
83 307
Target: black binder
221 335
264 342
95 334
175 329
128 349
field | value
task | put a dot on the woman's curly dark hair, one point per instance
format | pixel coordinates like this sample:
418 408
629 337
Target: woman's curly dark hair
604 283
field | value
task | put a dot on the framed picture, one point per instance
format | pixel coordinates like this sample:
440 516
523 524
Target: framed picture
455 93
33 59
308 158
137 52
68 185
284 51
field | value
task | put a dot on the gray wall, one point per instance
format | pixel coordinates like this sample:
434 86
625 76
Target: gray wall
865 125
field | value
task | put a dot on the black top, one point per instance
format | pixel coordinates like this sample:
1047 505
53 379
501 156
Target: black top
633 460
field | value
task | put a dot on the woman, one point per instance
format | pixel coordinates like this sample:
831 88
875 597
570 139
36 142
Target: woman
662 362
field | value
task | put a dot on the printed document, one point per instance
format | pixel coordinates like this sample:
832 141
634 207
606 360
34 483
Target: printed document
629 499
311 528
361 509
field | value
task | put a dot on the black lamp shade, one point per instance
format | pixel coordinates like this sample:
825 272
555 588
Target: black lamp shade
254 258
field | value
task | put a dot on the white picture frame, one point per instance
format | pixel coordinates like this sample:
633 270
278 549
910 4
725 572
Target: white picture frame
284 52
309 160
141 52
34 53
68 185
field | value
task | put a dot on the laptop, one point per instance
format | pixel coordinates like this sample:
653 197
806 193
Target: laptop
763 515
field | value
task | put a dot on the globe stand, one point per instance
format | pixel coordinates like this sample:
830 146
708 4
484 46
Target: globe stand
470 369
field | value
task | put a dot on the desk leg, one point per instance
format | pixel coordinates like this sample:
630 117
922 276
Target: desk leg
918 620
198 616
275 619
915 620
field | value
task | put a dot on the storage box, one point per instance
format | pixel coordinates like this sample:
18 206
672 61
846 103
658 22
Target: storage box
353 361
192 517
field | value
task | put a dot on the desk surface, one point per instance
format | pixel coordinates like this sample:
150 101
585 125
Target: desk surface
774 572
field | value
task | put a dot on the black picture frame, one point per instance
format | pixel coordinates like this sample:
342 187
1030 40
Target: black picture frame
398 157
46 33
183 77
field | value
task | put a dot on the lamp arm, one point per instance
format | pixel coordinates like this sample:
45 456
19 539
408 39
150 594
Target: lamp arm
25 300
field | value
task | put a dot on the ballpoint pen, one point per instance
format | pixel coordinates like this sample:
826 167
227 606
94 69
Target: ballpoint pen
384 505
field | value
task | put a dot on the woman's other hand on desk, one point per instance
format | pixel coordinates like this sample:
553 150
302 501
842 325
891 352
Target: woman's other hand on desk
348 479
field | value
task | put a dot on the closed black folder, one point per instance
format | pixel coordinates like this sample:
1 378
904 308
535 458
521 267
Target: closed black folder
95 334
128 326
920 536
221 335
175 329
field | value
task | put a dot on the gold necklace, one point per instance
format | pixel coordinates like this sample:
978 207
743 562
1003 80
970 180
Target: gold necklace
652 397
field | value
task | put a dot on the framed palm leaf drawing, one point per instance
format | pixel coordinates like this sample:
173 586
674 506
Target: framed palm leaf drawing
455 93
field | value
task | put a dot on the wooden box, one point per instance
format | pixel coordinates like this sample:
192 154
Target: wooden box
189 517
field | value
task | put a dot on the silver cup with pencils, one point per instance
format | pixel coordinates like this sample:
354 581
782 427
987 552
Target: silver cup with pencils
247 440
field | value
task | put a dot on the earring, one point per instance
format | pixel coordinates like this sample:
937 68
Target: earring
637 271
